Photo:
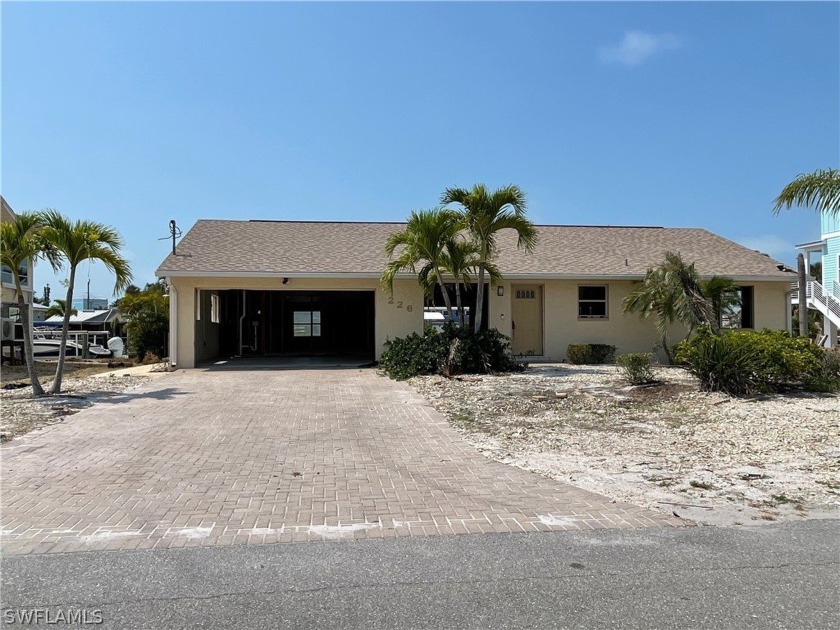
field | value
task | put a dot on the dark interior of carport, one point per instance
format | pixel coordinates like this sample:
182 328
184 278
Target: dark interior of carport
296 323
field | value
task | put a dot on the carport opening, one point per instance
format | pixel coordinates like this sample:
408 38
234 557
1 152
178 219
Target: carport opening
247 323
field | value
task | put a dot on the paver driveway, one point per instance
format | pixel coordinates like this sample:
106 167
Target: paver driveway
237 456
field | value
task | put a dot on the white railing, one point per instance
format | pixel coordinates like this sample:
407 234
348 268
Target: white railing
819 300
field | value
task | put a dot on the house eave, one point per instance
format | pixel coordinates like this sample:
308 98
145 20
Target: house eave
163 273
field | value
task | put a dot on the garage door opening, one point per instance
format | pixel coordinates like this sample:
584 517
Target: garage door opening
291 323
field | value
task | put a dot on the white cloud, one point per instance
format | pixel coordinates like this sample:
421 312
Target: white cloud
637 47
771 244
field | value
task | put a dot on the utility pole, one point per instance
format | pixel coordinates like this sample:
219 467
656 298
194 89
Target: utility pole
87 304
174 234
803 296
173 230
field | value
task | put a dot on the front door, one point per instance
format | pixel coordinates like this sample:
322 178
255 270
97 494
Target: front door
527 320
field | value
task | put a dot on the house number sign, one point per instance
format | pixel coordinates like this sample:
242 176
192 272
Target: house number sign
399 304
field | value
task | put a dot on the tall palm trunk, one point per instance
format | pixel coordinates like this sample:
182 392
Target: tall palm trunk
445 292
479 299
28 352
666 349
458 303
65 330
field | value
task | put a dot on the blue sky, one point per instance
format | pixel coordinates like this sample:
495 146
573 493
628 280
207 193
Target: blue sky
645 114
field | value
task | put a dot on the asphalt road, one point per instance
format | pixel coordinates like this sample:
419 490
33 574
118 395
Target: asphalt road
773 576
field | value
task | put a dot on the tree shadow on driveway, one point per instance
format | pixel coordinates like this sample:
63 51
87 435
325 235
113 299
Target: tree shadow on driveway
119 398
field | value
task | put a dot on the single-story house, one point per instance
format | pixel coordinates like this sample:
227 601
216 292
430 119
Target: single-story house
257 288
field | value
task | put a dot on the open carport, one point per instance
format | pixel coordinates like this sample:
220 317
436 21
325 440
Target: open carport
259 323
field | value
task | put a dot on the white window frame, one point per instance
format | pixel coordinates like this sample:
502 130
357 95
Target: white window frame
25 284
215 308
605 301
313 325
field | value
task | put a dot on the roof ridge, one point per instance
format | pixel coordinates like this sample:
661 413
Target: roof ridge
351 222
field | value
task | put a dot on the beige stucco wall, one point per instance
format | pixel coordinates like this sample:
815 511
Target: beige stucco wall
396 316
628 333
772 304
402 313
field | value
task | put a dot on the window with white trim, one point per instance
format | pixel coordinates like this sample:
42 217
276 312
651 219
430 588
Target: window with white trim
306 323
23 274
215 308
592 302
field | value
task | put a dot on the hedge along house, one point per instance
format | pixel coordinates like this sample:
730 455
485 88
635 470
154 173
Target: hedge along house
269 288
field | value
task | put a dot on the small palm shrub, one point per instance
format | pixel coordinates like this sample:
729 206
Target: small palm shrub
745 362
449 352
828 377
721 364
589 353
636 368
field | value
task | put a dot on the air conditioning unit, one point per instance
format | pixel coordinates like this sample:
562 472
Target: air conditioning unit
8 329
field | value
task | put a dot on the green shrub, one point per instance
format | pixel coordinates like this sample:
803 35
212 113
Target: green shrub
742 362
602 353
722 364
449 351
589 353
578 353
827 378
636 367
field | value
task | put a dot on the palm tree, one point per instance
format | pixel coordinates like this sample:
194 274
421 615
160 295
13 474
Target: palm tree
75 242
820 190
673 292
461 259
423 241
59 307
21 245
655 296
693 306
485 214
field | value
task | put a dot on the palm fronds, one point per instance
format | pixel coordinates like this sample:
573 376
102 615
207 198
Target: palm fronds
819 190
485 214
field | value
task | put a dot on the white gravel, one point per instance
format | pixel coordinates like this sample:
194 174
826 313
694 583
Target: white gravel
21 413
705 456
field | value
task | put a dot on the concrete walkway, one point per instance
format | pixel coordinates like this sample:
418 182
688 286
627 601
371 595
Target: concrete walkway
221 457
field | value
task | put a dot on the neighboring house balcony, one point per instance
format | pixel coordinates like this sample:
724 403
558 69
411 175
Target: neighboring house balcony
823 294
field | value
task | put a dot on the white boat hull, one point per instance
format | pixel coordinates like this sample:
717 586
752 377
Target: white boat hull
49 349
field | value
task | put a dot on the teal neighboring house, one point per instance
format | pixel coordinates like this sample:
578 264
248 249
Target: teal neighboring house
823 294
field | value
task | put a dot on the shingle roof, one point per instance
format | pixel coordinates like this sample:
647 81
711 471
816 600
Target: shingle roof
214 247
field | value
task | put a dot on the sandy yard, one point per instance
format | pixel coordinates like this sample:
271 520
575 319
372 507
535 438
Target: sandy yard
82 386
705 457
46 370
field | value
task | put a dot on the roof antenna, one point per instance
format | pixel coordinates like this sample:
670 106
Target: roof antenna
174 233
